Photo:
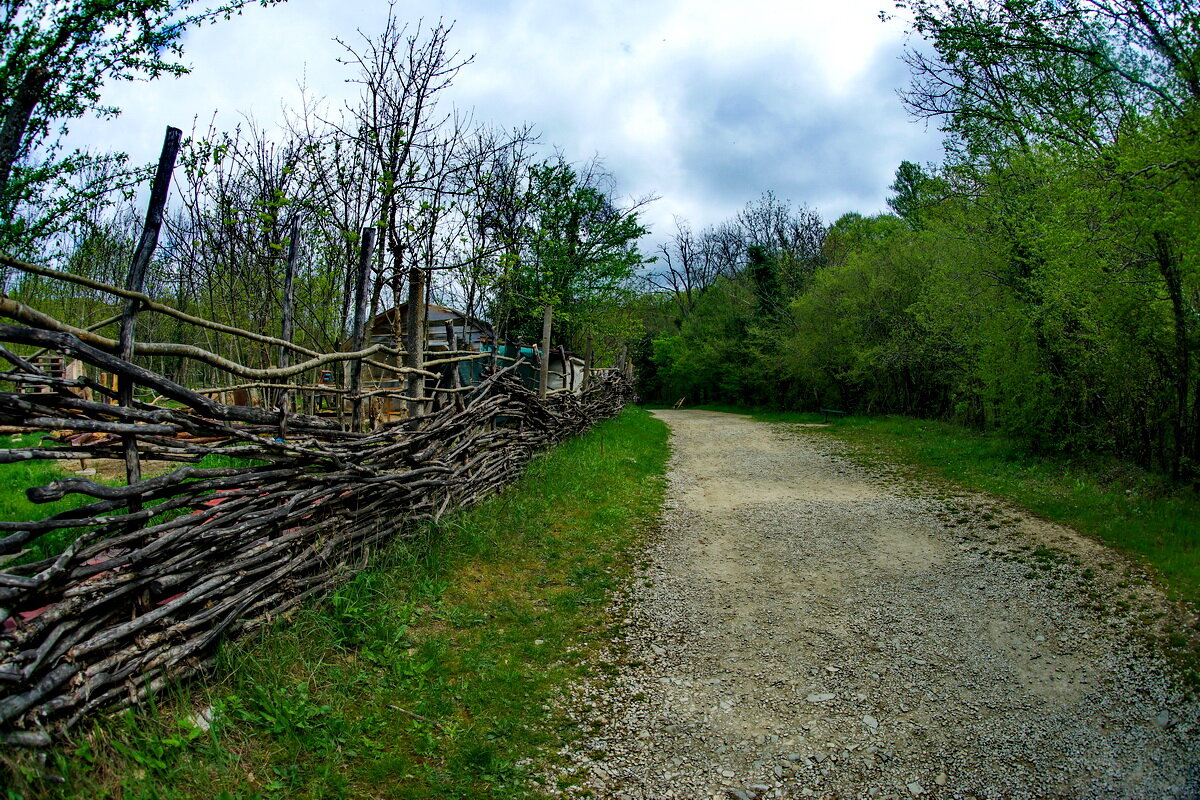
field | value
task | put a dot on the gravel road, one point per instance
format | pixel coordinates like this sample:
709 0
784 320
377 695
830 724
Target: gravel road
804 627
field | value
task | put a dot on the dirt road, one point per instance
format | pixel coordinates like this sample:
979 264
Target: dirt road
805 628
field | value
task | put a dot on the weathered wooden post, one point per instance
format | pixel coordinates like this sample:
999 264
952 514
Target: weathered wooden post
455 379
568 371
587 361
544 369
366 248
569 368
135 282
289 312
414 341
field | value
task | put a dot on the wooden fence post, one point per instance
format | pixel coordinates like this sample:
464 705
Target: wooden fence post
289 311
544 370
135 282
587 361
366 248
414 343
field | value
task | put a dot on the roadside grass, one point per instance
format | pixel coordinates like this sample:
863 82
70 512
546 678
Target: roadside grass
431 674
1142 515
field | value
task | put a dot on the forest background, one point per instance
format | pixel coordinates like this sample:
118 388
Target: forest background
1040 281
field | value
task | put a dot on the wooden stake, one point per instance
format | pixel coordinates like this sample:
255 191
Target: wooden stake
544 370
289 311
587 361
136 280
414 343
366 248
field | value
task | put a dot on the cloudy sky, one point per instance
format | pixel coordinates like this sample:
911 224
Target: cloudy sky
704 103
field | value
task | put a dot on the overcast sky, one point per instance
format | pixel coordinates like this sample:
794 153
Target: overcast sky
704 103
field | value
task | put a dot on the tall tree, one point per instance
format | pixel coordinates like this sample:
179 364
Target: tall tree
401 73
1014 73
581 248
688 264
55 58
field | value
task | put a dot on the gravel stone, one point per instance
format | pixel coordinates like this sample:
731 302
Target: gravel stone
1009 658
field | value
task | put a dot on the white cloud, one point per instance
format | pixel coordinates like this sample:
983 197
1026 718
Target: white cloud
706 103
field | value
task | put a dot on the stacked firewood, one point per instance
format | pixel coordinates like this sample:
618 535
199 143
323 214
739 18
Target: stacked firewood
156 573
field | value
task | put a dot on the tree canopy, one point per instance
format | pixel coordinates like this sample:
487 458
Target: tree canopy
55 59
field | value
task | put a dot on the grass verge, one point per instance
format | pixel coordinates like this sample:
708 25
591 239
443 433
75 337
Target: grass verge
429 675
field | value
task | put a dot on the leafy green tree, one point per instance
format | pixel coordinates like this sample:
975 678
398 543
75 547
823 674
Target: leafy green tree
55 59
1009 75
580 255
1091 106
913 191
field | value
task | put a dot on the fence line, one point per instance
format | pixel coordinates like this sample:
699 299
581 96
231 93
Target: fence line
103 604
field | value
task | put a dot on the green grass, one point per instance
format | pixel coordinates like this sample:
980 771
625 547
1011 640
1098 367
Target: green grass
15 507
429 675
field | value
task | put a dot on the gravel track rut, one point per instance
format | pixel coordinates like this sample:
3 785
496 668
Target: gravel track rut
803 627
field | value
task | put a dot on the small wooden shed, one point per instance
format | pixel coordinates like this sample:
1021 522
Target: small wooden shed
390 328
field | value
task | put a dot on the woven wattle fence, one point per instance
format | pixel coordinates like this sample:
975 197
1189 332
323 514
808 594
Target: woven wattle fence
103 605
158 572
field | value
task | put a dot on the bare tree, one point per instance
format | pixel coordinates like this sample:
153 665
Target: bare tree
688 265
395 121
492 169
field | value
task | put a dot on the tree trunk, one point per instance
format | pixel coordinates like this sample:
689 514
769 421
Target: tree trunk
16 123
1172 275
415 340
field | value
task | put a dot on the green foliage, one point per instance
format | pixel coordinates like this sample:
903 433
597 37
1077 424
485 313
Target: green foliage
55 58
580 257
913 192
1043 283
